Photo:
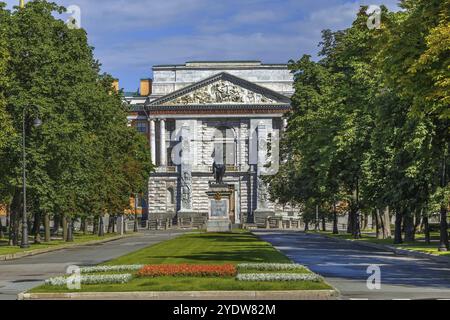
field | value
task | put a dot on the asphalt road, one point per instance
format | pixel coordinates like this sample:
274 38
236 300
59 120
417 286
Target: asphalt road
19 275
344 265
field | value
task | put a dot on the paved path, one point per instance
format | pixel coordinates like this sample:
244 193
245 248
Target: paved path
344 266
19 275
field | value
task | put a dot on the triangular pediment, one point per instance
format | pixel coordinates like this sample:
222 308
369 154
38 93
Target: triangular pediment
222 89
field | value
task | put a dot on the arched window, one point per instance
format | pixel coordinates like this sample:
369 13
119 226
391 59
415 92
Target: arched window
225 146
170 195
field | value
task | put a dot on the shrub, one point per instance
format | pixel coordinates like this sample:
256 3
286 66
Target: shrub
188 270
278 277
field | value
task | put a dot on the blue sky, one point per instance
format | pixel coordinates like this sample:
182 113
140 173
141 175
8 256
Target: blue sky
131 36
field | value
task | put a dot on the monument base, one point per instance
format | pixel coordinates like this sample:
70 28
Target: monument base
219 208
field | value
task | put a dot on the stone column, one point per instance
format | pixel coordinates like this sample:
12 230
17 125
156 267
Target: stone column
262 199
163 159
153 140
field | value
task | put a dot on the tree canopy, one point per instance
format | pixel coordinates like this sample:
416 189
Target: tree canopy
370 119
84 160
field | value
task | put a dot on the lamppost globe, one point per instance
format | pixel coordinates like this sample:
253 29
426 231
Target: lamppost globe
37 122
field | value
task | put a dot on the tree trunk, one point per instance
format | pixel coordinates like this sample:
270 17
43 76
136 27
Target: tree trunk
375 223
426 228
324 224
101 227
408 222
8 218
11 229
335 220
387 233
64 227
114 224
378 224
110 224
14 219
443 239
69 229
1 229
417 220
83 226
56 224
398 227
317 222
350 222
365 223
357 226
47 237
95 225
37 228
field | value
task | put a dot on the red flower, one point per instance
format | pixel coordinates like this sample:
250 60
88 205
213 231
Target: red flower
188 270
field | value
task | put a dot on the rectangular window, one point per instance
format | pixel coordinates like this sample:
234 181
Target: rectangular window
226 151
141 127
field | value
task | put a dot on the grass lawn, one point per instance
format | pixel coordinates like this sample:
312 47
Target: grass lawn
418 245
201 248
78 238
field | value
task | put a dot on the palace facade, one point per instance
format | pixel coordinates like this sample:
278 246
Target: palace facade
200 112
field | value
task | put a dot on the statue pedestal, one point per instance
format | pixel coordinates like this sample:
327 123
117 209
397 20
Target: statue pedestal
219 208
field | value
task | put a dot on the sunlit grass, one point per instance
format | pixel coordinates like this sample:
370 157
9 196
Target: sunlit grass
201 248
418 245
5 249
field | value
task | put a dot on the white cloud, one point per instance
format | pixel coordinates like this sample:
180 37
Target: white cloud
131 36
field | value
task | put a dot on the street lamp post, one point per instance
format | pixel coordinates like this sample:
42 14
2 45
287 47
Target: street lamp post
36 123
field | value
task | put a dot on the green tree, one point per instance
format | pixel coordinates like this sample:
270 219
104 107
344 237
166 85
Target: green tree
84 160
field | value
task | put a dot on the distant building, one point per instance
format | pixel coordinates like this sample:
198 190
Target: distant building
225 108
2 210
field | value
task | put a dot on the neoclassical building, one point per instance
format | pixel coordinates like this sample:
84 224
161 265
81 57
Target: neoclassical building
200 112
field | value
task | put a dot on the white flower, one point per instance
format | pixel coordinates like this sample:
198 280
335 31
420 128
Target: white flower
95 269
271 266
278 277
91 279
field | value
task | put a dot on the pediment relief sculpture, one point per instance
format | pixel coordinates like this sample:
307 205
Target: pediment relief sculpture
221 92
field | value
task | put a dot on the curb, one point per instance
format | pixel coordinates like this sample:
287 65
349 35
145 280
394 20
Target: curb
15 256
187 295
395 250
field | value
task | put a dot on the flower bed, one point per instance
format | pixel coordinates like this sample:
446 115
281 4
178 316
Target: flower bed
188 270
90 279
270 266
119 268
278 277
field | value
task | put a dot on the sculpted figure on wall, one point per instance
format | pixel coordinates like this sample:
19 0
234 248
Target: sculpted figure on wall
186 186
262 193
